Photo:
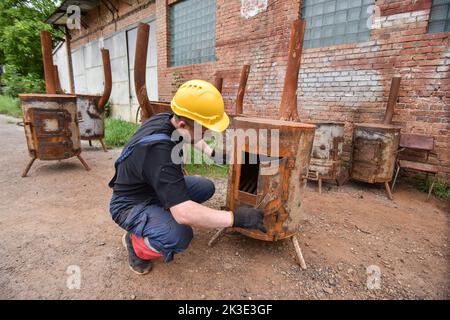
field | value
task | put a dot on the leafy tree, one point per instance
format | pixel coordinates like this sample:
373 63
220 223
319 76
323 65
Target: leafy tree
21 22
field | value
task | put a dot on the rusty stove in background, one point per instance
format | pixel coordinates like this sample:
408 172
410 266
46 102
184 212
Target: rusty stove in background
50 120
51 127
91 108
326 156
375 146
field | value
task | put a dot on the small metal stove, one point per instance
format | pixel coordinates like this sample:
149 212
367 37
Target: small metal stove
276 178
326 156
375 146
274 181
51 127
50 120
91 108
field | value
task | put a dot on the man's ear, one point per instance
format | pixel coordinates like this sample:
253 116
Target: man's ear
182 124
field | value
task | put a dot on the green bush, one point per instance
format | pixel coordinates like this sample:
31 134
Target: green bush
118 132
440 189
10 106
16 83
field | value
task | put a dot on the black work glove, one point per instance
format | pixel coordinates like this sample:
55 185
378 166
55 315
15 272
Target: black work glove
249 218
220 157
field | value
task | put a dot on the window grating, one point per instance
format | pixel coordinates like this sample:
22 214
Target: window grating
332 22
192 32
439 17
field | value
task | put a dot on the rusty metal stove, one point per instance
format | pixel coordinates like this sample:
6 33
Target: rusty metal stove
51 127
375 146
274 181
374 152
50 120
326 156
91 108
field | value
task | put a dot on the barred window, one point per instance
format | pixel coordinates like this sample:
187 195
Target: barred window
440 16
332 22
192 32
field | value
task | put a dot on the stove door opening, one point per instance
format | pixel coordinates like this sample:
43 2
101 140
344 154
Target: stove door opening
251 170
248 181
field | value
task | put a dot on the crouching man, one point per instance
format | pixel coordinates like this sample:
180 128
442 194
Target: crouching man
152 200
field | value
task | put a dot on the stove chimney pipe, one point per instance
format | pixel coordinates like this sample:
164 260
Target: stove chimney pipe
393 96
47 58
288 106
140 67
241 91
108 79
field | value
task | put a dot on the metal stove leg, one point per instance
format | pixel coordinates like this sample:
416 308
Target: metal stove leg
216 237
103 145
395 178
431 188
298 251
85 165
388 190
25 172
90 143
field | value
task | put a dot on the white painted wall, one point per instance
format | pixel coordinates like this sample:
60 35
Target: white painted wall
88 70
60 59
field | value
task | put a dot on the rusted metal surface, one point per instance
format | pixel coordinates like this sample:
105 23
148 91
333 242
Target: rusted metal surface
392 101
218 83
69 60
140 67
288 107
424 167
276 181
413 155
416 141
326 156
160 106
241 90
47 58
90 117
374 152
375 146
59 90
91 108
231 73
51 127
107 79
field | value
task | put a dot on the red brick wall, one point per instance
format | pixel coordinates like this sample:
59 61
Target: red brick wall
261 41
348 83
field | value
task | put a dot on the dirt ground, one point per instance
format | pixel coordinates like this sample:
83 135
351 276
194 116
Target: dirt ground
58 218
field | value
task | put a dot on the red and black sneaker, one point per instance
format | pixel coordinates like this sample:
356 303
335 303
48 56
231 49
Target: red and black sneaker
136 264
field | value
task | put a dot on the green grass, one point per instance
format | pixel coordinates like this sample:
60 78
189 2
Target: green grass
10 106
118 132
440 189
207 170
201 164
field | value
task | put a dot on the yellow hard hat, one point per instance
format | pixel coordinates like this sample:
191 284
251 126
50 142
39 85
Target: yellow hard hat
202 102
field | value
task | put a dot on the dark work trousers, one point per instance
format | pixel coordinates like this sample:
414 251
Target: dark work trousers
148 219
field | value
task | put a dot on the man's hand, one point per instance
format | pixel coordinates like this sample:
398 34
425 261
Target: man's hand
219 156
249 218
